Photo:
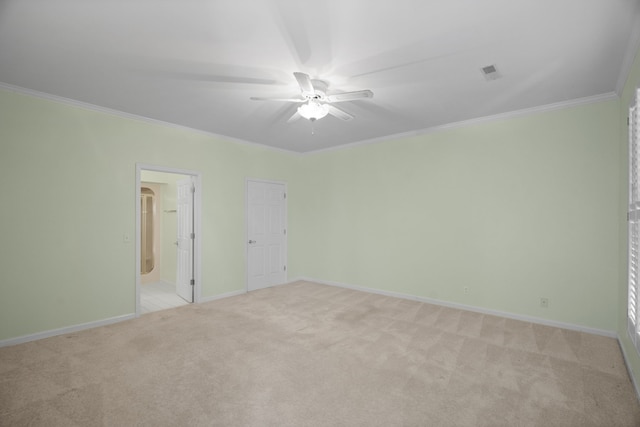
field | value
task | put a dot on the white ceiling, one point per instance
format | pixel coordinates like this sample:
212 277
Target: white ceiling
196 63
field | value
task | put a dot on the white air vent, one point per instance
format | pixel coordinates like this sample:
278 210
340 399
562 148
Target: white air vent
490 72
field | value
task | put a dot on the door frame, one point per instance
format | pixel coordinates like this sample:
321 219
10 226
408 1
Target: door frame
246 227
197 211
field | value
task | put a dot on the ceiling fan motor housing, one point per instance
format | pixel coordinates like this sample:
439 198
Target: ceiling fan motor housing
320 89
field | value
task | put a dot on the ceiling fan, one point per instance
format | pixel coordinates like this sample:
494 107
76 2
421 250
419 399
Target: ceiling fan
316 104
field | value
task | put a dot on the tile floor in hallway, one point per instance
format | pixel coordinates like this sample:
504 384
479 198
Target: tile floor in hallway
159 296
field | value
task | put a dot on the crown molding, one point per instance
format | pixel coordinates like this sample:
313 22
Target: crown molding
122 114
425 131
480 120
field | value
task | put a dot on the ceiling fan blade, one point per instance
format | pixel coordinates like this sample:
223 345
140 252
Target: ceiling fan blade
287 16
404 63
295 117
199 71
229 79
304 81
350 96
336 112
258 98
303 27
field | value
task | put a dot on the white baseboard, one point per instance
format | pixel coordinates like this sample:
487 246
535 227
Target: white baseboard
66 330
97 323
629 370
221 296
75 328
508 315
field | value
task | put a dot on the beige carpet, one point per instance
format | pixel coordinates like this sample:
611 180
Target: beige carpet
312 355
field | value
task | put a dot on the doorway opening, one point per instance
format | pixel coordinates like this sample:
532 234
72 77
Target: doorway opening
168 203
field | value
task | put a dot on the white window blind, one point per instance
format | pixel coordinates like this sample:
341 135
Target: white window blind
633 216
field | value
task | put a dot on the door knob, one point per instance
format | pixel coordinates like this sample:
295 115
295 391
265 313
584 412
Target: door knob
251 241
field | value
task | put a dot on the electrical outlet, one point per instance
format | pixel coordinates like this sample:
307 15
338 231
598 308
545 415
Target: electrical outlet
544 302
466 290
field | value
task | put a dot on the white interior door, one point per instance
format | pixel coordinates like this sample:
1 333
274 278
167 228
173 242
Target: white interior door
266 234
186 237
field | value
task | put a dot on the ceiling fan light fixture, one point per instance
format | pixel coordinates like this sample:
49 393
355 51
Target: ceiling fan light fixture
313 110
315 103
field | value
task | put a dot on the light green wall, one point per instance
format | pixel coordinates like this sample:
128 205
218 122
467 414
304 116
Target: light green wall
626 99
67 180
516 210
